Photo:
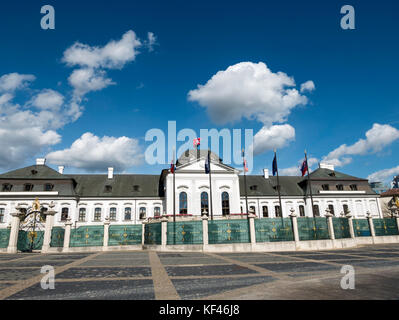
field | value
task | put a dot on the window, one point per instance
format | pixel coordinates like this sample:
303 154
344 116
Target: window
128 213
136 188
33 172
48 187
265 212
340 187
301 211
183 203
7 187
325 187
64 214
97 214
225 203
204 203
1 215
112 214
353 187
241 210
108 188
157 211
254 187
277 211
316 211
28 187
346 208
331 207
42 215
142 212
252 209
82 214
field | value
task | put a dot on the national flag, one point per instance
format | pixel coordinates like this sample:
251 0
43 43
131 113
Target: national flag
304 167
172 167
274 165
245 166
208 163
196 142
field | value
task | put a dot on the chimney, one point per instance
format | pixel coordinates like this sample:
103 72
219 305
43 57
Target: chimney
266 173
110 172
61 169
324 165
40 161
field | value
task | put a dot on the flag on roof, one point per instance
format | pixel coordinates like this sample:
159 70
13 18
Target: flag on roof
304 167
196 142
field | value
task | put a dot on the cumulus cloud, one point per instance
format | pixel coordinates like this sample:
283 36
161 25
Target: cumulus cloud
296 170
268 138
93 153
248 90
48 99
13 81
384 175
114 55
86 80
151 41
307 86
377 138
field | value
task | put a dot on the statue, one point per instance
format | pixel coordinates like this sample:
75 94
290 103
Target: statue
36 205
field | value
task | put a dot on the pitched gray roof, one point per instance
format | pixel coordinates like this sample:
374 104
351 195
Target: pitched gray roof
33 172
267 187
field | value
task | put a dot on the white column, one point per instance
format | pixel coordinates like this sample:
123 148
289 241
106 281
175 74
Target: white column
294 220
371 224
48 227
143 232
350 222
106 233
252 228
164 229
12 243
329 216
67 234
205 240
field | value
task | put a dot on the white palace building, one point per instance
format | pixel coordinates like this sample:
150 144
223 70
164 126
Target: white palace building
87 199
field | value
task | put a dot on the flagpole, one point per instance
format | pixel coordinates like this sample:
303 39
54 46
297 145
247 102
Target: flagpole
278 189
174 192
311 195
210 184
245 183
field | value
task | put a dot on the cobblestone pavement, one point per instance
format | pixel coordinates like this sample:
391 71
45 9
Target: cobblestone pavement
159 275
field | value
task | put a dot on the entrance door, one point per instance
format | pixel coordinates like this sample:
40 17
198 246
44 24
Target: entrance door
31 232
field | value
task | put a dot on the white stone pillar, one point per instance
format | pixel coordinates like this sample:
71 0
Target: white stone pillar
67 234
143 232
106 233
12 243
350 222
252 228
48 227
205 240
164 230
294 221
371 225
397 219
329 216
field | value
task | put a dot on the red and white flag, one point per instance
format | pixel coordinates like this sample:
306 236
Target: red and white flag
196 142
245 166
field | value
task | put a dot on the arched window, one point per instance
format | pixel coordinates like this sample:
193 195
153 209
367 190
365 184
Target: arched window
204 203
225 203
183 203
112 214
301 211
252 210
265 212
316 211
277 211
82 214
331 207
157 211
346 208
64 214
142 212
97 214
1 215
128 213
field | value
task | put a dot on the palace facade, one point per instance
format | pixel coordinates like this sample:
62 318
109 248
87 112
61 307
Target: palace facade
87 199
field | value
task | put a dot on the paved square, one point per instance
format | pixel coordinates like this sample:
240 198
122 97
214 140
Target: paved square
194 275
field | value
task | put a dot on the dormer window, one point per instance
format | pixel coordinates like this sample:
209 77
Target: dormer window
108 188
48 187
340 187
28 187
254 187
325 187
33 171
332 174
7 187
136 188
353 187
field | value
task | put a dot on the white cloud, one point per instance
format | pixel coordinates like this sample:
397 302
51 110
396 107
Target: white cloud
307 86
248 90
151 41
93 153
384 175
48 99
86 80
377 138
13 81
268 138
114 55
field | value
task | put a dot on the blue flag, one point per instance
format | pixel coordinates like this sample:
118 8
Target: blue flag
208 163
274 165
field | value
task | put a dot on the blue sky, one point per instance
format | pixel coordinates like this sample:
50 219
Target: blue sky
354 73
